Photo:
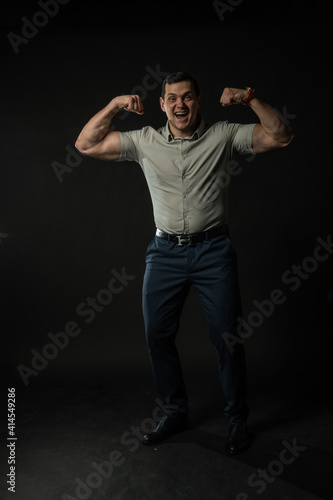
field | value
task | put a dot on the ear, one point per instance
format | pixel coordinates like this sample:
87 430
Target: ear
162 104
199 100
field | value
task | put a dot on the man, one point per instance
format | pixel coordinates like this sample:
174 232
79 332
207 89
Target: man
184 163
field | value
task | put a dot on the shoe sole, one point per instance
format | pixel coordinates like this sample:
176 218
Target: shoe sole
164 438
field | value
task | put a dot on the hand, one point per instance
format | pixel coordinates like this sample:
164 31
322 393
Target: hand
233 96
131 103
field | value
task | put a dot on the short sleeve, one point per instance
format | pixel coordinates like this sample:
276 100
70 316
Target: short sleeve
241 137
129 145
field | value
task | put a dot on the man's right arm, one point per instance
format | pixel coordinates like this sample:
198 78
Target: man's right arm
95 138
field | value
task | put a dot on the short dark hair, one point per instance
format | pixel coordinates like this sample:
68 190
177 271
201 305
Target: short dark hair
177 77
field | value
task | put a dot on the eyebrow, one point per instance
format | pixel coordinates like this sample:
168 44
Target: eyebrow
185 93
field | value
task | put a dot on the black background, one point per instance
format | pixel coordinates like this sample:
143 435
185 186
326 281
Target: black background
60 240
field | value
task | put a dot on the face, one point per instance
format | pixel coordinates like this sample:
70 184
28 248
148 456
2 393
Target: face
181 106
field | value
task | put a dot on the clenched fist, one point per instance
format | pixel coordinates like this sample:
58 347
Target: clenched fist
233 96
131 103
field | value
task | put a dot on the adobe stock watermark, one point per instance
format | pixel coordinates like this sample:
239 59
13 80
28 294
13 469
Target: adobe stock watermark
217 181
284 115
86 309
275 468
156 77
30 27
103 470
221 178
73 159
222 8
293 277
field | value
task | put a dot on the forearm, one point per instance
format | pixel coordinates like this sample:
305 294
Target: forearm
97 127
272 122
273 132
95 138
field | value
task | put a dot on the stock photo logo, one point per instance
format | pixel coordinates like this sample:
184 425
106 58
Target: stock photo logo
87 309
262 477
30 27
150 81
223 8
130 441
293 278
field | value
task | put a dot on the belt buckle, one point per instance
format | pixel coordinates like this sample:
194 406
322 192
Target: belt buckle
184 239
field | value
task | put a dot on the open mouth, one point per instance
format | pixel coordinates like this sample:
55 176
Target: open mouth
181 116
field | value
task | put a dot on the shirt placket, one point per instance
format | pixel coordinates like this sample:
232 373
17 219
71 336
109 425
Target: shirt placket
184 171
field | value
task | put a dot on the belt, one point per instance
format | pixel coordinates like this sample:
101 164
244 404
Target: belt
192 239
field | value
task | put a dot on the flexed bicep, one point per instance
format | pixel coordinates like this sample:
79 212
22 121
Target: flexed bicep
108 148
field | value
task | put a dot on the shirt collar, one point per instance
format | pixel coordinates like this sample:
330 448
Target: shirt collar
198 133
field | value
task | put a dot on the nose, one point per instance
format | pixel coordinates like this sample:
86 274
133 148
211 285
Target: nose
180 103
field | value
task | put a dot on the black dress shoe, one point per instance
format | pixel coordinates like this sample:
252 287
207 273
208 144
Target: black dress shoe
238 439
167 427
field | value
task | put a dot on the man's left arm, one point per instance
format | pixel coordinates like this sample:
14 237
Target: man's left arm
272 132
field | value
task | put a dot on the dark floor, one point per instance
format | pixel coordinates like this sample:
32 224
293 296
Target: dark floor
68 430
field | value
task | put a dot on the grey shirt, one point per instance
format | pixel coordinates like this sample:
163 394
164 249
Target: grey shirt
188 177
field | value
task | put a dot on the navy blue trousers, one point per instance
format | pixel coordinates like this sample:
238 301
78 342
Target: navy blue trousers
211 267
